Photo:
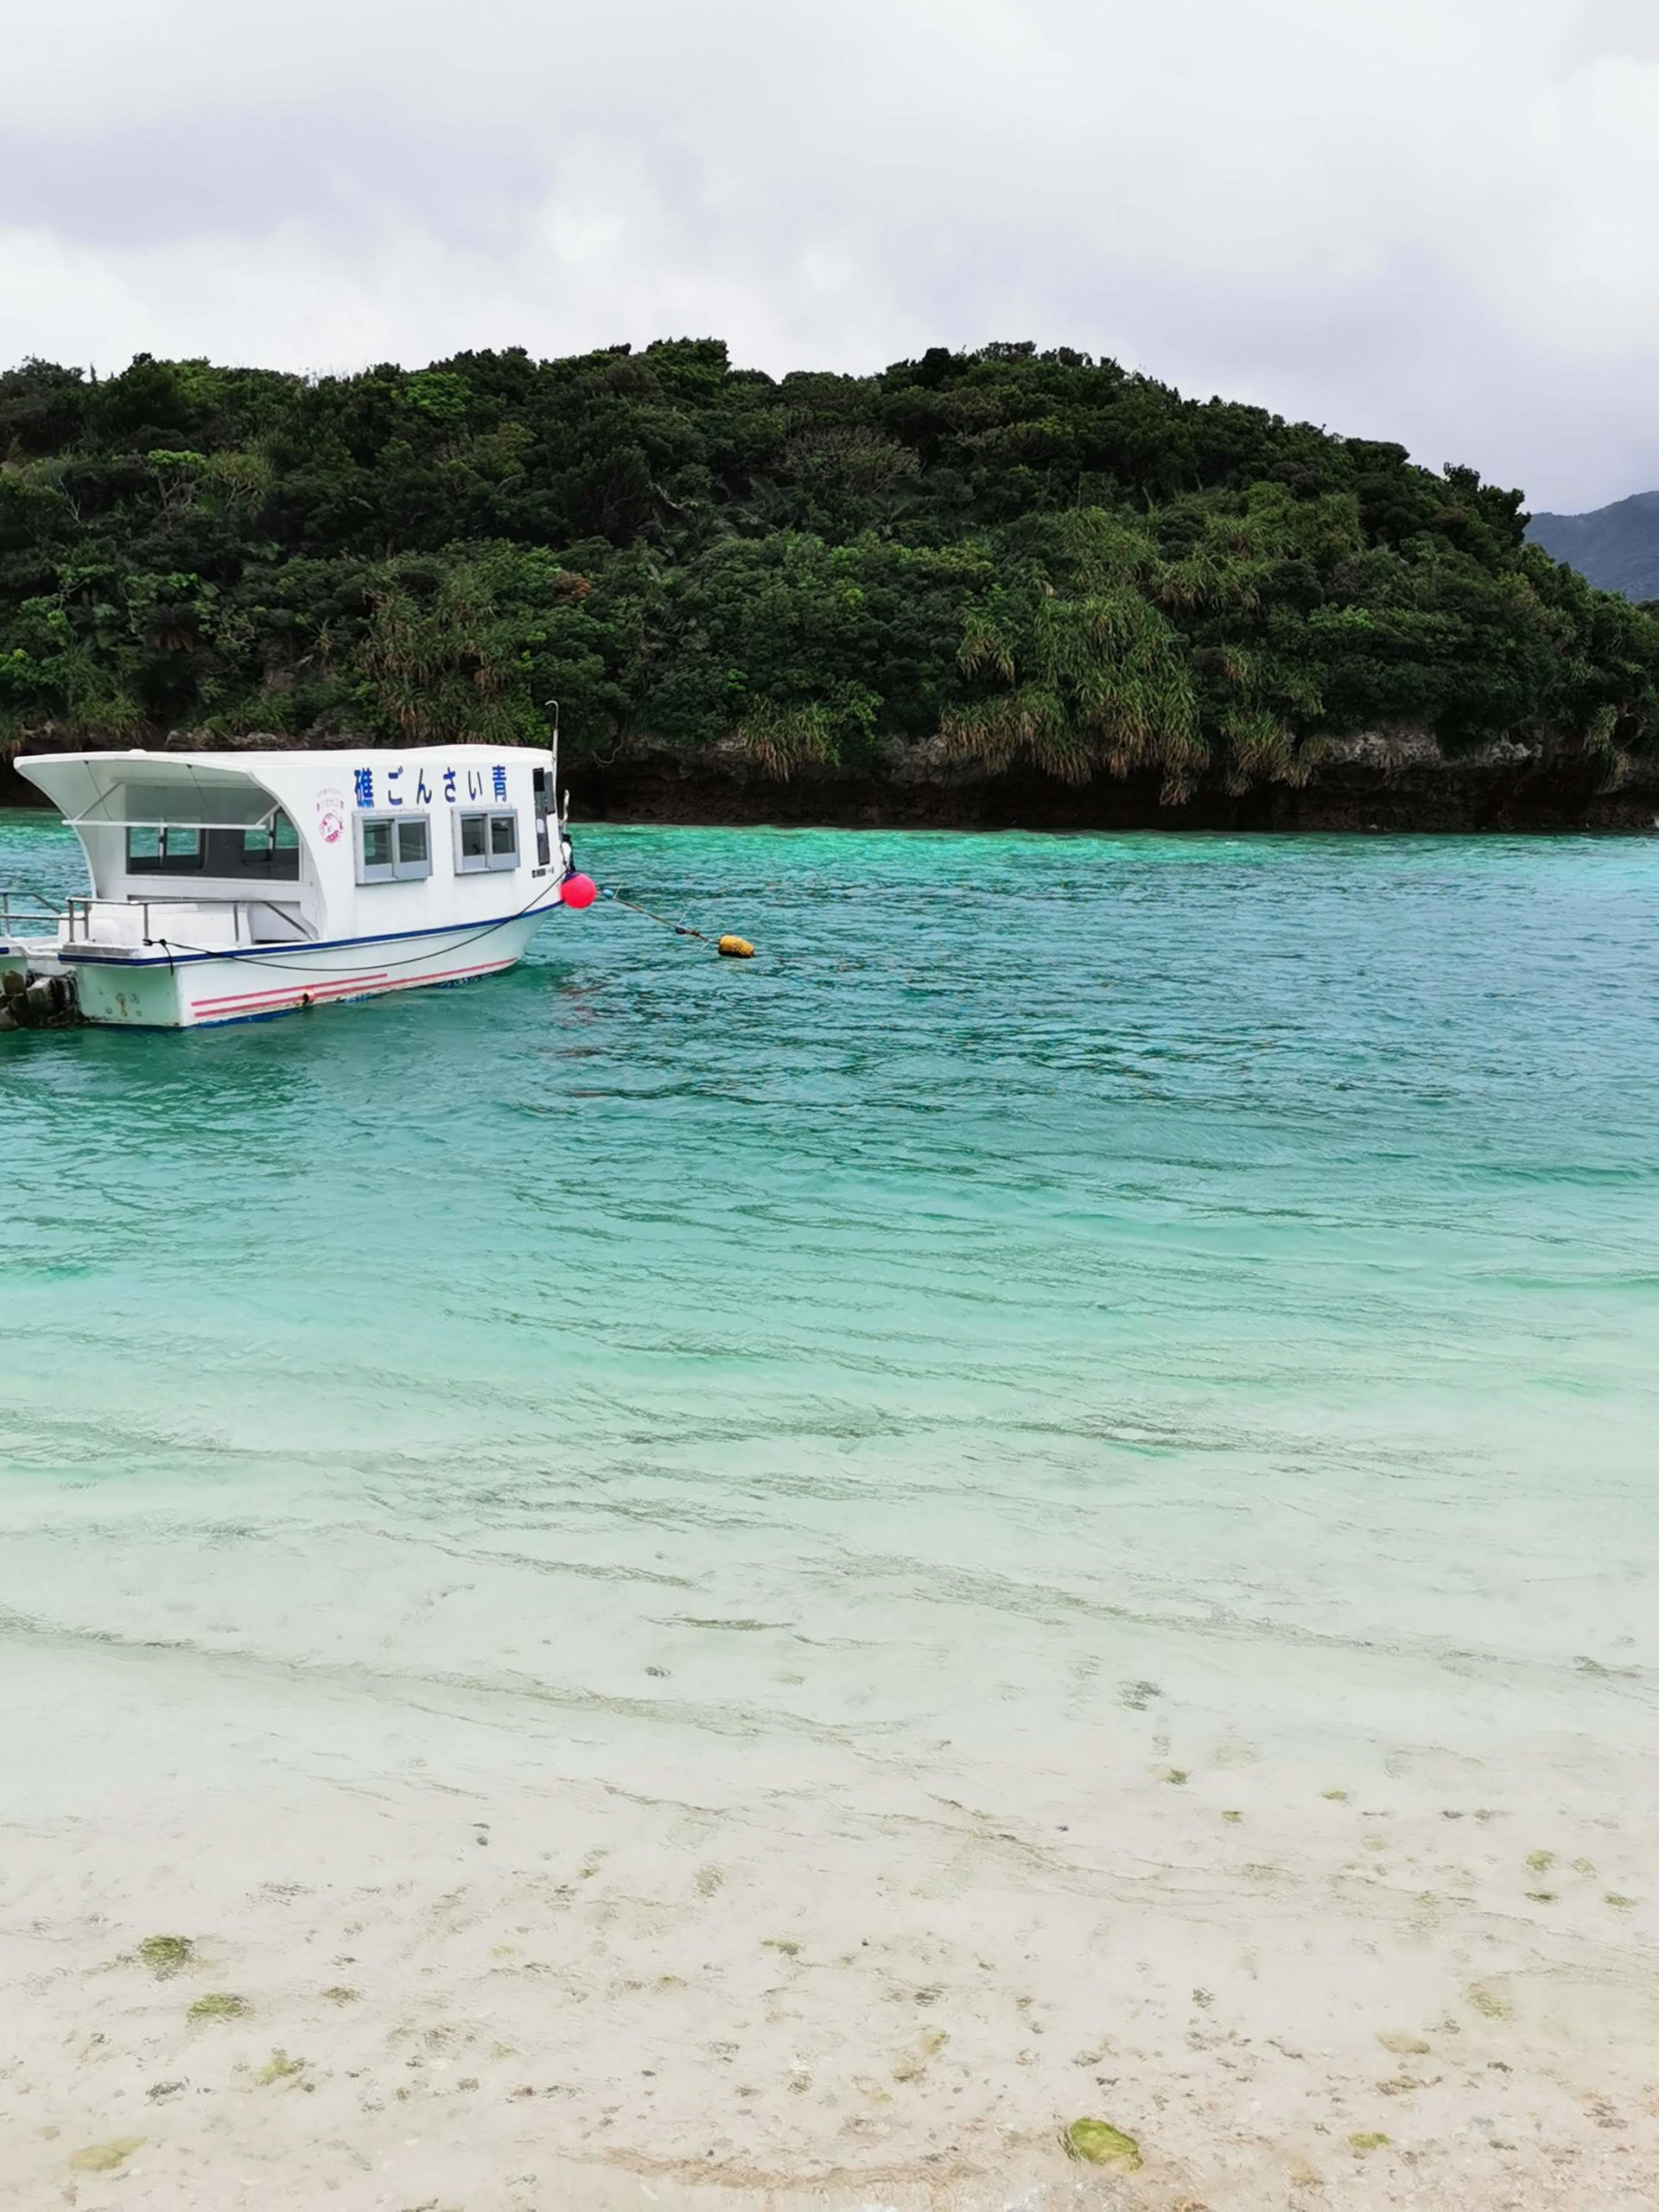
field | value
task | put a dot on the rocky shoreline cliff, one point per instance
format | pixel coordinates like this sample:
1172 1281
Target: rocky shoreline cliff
1398 780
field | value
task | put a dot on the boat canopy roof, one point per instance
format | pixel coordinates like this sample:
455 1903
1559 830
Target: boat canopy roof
214 790
151 791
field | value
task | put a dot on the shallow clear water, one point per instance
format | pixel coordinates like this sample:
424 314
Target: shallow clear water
1022 1187
1059 1277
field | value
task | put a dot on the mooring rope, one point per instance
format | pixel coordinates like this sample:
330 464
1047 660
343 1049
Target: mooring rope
286 968
729 947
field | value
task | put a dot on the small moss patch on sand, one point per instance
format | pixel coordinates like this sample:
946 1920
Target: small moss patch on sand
218 2004
1373 2141
167 1954
1099 2145
104 2157
340 1995
279 2067
1486 2000
780 1944
1233 1815
912 2068
1540 1861
1620 1903
1175 1774
1334 1796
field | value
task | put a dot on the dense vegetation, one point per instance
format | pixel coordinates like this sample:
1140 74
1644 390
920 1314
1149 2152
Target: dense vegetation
1004 557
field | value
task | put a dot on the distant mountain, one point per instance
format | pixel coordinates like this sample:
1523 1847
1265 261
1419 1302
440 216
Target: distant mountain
1616 547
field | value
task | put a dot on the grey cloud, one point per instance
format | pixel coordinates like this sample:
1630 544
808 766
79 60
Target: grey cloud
241 174
1406 219
1615 29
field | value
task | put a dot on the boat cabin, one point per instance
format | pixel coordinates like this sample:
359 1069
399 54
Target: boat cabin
226 888
207 851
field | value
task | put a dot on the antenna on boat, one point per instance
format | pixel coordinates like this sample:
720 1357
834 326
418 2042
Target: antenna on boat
563 806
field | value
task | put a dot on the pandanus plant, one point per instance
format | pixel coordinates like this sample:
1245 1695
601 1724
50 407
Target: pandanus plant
1086 671
1101 681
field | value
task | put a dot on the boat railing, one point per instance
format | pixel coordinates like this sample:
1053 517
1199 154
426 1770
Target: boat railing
82 910
22 910
76 918
81 917
87 919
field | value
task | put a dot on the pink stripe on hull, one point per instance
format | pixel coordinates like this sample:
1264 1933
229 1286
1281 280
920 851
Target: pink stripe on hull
288 991
375 986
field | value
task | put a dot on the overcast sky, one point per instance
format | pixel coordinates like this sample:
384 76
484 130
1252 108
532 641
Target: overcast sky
1434 221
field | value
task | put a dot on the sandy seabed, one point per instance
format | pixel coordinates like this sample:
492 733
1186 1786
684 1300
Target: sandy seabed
1424 1981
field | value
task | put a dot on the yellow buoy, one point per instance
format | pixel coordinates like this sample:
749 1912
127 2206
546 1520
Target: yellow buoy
735 948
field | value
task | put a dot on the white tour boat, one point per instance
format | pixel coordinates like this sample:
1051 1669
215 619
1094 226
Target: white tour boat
227 887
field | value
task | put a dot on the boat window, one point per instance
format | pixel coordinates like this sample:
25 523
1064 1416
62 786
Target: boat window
269 852
393 848
413 846
262 845
546 811
472 842
486 840
373 852
163 852
272 851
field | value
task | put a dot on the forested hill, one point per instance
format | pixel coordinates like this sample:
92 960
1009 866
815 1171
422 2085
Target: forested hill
1005 562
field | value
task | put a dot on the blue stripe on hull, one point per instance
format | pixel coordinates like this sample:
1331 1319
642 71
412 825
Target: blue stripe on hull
291 946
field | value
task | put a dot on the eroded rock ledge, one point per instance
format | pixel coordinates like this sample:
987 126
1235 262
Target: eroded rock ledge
1398 780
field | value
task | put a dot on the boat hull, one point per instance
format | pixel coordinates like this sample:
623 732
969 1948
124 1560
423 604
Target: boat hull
208 990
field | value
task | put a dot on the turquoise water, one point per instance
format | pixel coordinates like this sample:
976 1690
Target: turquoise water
1204 1288
1025 1195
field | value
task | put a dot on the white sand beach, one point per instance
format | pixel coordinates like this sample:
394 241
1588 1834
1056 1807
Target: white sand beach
490 1970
